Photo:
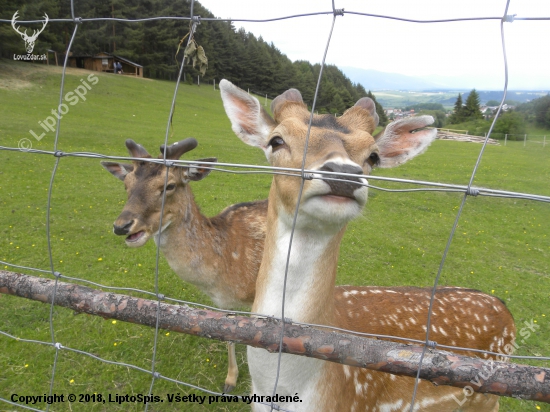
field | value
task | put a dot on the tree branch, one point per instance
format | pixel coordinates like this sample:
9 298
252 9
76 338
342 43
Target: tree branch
439 367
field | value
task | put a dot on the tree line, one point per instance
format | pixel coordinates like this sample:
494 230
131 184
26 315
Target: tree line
244 59
467 115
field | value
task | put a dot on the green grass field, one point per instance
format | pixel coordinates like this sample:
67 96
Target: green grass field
501 246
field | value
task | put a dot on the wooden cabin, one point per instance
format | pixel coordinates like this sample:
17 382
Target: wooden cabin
104 62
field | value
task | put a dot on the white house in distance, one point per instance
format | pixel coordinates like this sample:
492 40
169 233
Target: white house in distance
489 111
395 114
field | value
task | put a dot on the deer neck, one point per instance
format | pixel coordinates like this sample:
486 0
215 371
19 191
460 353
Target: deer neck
309 298
311 274
190 243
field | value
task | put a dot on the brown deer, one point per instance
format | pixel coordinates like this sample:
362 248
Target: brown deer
220 255
345 146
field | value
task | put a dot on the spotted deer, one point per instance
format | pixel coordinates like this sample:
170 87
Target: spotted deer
238 234
345 146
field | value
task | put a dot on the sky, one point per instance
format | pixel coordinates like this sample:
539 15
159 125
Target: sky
470 51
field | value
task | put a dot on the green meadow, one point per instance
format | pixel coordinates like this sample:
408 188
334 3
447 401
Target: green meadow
501 246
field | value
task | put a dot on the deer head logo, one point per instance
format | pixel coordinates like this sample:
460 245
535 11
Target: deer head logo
29 40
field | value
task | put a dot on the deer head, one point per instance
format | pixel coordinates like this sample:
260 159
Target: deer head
144 182
29 40
343 145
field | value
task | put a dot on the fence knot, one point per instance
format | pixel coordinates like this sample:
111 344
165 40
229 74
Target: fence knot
169 163
58 346
59 153
196 19
57 274
509 18
156 375
431 344
472 191
160 296
338 12
307 176
287 320
78 20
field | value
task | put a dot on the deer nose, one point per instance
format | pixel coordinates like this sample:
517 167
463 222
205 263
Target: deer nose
342 184
344 169
123 229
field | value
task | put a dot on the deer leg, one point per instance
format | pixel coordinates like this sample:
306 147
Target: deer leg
232 369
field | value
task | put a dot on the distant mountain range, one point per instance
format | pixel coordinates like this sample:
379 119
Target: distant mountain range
377 80
407 90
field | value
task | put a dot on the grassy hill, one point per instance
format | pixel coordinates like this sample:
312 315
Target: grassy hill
501 246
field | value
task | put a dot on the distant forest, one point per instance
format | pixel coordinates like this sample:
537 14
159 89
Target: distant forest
236 55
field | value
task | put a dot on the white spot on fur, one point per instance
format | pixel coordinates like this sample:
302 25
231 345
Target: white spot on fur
390 407
347 374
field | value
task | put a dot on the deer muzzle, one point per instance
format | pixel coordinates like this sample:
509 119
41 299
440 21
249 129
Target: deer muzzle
342 184
123 229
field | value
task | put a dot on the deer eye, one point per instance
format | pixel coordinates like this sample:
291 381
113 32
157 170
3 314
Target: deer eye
169 187
276 143
373 159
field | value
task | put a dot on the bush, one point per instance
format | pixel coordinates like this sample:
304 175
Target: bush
510 123
507 123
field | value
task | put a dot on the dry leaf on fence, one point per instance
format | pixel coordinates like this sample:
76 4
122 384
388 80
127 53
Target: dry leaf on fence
202 59
197 55
191 49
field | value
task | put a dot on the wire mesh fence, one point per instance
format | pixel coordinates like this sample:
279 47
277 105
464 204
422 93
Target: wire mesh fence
63 357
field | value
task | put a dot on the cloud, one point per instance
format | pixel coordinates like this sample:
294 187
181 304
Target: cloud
471 49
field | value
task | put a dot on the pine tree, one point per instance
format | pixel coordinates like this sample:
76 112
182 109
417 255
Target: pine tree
458 114
471 109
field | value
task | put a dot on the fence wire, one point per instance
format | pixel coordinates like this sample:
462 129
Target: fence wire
302 173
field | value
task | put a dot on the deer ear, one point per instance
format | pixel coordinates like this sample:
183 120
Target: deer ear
362 115
368 104
404 139
198 171
249 120
291 95
118 170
